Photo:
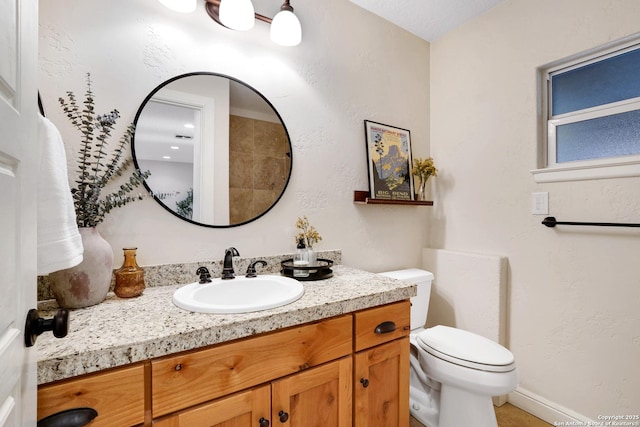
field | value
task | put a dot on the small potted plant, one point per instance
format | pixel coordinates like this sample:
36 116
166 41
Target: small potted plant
88 283
423 169
309 236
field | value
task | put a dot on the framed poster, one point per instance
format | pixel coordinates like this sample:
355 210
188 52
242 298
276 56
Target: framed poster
389 159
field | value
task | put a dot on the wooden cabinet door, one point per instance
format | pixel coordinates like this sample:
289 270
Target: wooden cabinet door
381 385
317 397
249 408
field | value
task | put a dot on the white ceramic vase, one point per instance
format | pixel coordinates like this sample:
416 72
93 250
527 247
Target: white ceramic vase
87 283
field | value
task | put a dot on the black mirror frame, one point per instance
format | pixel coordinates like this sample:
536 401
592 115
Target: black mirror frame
200 73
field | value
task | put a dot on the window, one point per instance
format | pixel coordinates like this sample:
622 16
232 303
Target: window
591 115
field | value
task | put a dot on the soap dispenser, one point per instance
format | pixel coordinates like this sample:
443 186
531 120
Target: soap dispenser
301 259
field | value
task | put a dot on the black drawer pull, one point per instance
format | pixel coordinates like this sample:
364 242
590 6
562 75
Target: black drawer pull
385 327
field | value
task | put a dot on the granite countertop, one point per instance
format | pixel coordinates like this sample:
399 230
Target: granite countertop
119 331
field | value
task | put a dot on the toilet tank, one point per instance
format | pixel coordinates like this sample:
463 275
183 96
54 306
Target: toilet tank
420 303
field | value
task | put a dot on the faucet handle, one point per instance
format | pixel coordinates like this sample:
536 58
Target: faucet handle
251 270
205 276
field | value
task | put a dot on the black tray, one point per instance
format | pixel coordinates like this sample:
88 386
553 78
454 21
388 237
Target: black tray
320 271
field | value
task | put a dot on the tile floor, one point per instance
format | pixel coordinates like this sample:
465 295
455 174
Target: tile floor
508 416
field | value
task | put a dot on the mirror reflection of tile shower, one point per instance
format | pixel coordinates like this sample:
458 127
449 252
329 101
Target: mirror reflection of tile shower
258 166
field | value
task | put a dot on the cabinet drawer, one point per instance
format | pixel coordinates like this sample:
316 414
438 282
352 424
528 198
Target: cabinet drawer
381 324
181 381
117 395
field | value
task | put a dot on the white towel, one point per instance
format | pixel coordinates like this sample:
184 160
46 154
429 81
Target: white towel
59 241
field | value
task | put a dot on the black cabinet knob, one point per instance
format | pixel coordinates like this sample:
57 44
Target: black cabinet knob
364 382
283 416
263 422
35 325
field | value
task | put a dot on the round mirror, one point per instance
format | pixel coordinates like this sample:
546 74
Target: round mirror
218 152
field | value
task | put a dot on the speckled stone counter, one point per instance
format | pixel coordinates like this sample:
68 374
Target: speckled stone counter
122 331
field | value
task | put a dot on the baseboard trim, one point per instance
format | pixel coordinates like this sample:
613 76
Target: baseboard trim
544 409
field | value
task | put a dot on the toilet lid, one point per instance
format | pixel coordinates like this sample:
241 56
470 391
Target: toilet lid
465 348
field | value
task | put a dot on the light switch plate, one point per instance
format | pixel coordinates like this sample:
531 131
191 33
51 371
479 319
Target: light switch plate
540 203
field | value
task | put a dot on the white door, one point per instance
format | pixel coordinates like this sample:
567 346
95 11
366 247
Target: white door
18 181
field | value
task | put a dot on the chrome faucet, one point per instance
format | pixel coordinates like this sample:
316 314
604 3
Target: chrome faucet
227 266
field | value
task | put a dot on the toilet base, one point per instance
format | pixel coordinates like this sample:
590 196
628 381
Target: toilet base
478 409
426 413
436 404
424 394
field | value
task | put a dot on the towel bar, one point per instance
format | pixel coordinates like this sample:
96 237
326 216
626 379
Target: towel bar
550 221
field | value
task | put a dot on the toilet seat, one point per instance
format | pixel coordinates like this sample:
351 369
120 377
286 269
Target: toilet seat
465 349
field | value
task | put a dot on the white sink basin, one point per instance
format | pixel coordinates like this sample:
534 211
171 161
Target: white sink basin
239 295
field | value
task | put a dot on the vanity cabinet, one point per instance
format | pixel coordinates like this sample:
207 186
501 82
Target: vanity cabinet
322 394
381 366
191 378
312 374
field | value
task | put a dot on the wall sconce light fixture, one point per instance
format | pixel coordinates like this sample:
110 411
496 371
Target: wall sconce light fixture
240 15
182 6
237 14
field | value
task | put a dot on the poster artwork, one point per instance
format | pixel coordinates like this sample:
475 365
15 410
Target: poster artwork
389 153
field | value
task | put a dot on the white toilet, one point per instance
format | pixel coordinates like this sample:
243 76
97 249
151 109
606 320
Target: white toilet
454 373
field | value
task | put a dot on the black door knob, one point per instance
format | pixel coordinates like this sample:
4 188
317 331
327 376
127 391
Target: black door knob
35 325
263 422
283 416
364 382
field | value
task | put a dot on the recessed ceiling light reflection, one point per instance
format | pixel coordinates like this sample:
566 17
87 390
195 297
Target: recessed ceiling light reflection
189 125
166 157
175 147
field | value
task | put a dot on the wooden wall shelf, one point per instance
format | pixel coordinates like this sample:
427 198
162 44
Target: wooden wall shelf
362 197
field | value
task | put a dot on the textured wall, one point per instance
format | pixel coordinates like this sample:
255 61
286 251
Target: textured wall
574 292
351 66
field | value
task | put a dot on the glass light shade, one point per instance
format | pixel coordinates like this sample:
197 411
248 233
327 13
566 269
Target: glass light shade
182 6
237 14
286 29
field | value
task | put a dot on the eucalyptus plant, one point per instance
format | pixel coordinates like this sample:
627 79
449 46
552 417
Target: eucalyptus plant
95 167
184 207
